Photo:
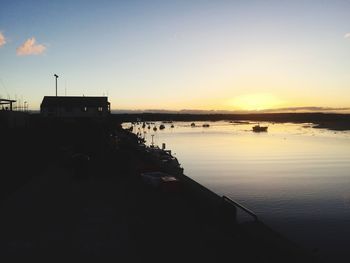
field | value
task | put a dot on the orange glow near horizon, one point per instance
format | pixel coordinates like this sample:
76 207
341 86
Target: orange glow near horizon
257 101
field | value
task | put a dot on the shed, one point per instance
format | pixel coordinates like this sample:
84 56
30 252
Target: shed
75 107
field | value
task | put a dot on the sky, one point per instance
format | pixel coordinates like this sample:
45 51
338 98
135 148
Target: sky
206 55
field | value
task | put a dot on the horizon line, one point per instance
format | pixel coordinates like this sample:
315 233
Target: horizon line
305 109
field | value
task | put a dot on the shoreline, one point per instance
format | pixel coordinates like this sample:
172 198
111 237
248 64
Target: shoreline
331 121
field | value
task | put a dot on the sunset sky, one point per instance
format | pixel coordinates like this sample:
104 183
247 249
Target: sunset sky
209 55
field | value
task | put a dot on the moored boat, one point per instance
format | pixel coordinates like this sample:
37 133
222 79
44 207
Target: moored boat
258 128
165 159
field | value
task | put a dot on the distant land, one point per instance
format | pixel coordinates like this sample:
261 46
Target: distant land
333 121
307 109
322 117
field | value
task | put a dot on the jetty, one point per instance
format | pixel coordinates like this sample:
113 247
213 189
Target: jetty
55 205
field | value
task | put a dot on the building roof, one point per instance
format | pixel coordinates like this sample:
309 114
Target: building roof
68 101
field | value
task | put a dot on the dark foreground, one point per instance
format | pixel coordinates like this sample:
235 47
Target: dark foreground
53 209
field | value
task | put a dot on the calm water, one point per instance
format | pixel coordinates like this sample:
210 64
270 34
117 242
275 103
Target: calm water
296 178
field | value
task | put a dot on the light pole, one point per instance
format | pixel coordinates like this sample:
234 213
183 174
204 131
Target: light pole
152 143
56 76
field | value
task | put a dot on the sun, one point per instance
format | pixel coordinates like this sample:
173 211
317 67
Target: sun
257 101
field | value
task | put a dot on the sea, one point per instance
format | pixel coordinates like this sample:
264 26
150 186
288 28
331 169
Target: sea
295 177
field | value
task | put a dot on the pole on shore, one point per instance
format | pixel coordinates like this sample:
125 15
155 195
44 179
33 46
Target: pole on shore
152 143
56 76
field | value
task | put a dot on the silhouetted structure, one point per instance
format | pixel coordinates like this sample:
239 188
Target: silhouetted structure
75 107
6 104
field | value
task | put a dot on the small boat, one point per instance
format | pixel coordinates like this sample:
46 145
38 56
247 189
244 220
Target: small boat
205 125
161 127
193 124
258 128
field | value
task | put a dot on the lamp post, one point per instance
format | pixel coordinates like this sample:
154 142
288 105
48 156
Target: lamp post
56 76
152 143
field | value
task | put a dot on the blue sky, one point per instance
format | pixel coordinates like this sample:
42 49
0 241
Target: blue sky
179 54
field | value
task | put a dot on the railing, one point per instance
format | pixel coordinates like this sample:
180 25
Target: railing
216 199
230 201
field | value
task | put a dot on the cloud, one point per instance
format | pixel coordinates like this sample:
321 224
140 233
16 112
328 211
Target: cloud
347 35
29 47
2 39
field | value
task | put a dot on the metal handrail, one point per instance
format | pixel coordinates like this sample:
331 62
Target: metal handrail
225 198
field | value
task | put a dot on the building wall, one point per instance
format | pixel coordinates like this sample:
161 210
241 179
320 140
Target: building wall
91 112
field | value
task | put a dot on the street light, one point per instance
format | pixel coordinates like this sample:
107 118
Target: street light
56 76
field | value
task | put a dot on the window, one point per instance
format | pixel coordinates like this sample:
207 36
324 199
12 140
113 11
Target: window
100 109
84 109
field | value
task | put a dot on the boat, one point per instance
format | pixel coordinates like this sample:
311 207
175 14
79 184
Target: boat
164 159
206 125
193 124
258 128
161 127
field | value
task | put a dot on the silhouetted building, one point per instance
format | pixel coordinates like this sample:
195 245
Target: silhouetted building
75 107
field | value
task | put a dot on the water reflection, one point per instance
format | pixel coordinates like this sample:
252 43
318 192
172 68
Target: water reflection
294 176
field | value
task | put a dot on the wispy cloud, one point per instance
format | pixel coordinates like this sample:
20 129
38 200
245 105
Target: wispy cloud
2 39
30 47
347 35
